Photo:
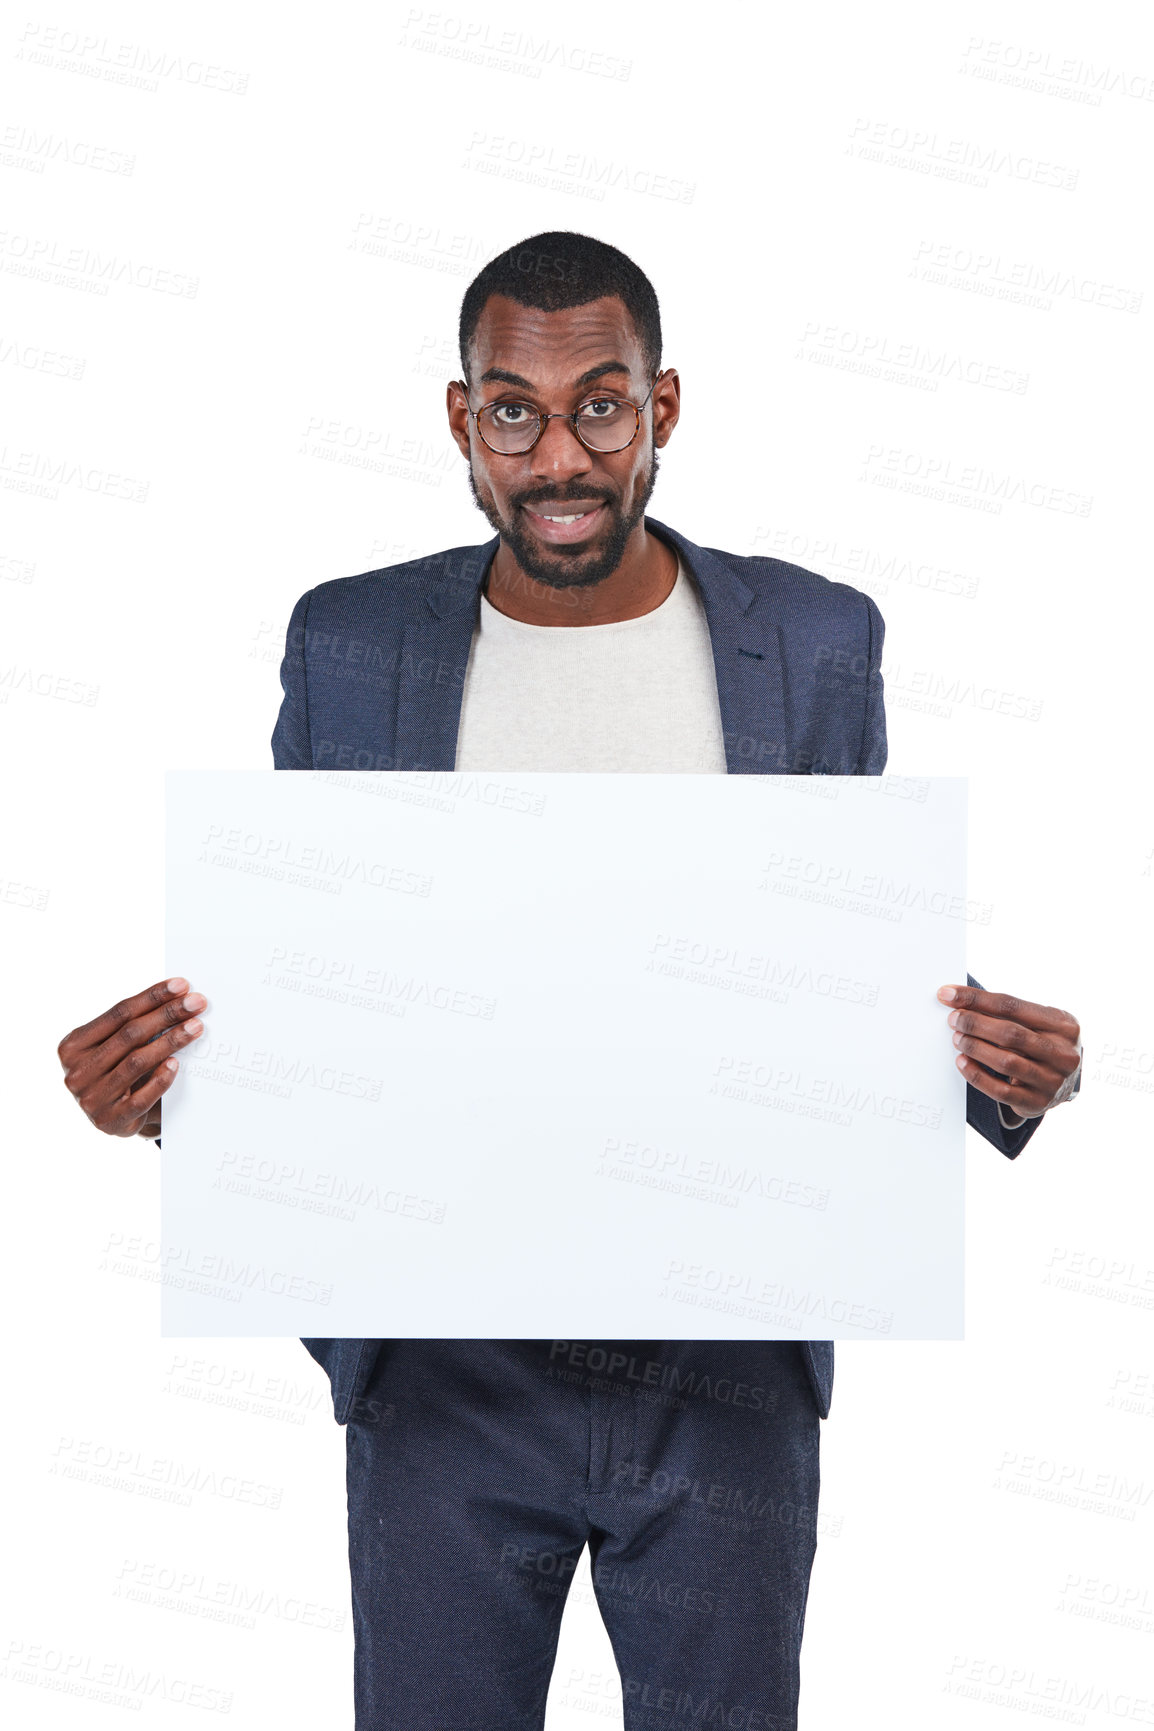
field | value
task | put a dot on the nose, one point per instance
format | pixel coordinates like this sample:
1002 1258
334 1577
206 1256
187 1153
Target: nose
559 454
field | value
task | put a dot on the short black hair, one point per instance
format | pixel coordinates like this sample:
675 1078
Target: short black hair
563 269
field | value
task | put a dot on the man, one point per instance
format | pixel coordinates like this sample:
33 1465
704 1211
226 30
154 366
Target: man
584 636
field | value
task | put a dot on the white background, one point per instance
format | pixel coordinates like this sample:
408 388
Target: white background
824 161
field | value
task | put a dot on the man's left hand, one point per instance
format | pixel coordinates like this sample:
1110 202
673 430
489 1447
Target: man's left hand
1031 1047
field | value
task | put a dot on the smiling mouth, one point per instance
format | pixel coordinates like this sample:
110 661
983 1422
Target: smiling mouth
564 512
565 522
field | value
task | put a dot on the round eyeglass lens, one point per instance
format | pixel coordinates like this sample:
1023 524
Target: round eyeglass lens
606 424
509 427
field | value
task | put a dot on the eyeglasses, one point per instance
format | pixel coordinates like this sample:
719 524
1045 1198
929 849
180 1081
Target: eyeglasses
601 423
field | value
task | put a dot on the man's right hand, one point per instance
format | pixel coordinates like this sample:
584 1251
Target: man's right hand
118 1066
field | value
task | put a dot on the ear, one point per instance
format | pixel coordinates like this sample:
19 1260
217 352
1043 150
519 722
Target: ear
666 402
457 408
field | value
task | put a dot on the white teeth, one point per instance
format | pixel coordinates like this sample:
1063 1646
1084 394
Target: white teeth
575 519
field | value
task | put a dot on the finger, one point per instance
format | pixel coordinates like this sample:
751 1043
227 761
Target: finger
105 1092
1050 1049
1042 1017
1019 1069
94 1033
129 1115
1026 1101
129 1036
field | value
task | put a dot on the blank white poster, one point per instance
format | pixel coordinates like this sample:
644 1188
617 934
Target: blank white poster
573 1056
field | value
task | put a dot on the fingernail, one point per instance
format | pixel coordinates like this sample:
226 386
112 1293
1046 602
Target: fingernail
172 1063
193 1027
960 1062
957 1039
176 986
952 1018
194 1001
947 994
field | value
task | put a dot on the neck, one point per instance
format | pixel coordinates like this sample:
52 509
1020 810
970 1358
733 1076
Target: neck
641 582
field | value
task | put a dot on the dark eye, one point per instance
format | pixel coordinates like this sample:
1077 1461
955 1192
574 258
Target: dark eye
511 414
598 408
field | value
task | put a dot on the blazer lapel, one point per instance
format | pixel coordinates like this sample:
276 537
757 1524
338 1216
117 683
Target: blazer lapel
748 661
434 656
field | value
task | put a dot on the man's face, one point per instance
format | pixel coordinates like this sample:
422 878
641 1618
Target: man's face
555 362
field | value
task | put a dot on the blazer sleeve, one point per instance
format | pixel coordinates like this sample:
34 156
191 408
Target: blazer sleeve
291 745
982 1115
874 748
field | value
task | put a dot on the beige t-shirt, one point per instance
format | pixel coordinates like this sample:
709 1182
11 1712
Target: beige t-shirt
636 696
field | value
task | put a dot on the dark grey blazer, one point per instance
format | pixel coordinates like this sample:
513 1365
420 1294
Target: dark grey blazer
374 669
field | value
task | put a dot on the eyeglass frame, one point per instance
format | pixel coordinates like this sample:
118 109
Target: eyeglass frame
607 396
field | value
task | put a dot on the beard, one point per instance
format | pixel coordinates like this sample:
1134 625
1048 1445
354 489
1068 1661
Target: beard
568 567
